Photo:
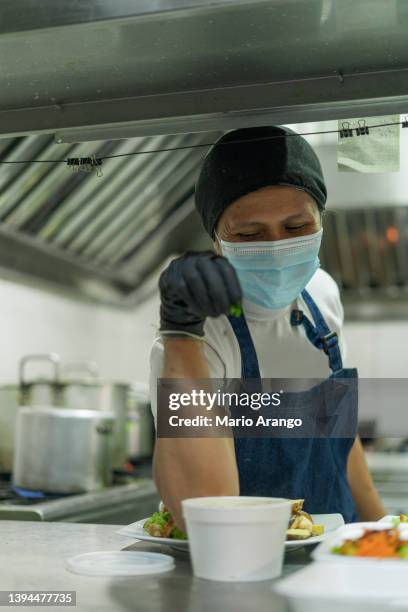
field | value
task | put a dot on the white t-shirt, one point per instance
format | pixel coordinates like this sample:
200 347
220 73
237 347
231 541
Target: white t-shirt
283 350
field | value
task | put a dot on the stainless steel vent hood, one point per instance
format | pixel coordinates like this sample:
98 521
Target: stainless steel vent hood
99 237
106 69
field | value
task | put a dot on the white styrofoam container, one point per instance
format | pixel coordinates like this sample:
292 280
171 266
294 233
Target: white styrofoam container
340 587
237 539
352 531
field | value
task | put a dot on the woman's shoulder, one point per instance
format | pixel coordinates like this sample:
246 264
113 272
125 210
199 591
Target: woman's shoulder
323 284
325 292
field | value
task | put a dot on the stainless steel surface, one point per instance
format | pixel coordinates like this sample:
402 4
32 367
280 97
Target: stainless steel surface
51 358
42 562
59 450
27 392
82 369
140 425
103 397
9 403
40 391
133 432
163 67
94 236
77 386
121 504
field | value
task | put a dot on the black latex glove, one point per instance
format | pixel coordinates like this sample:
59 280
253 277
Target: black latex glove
195 286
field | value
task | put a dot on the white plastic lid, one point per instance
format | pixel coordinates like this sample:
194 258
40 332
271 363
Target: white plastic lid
120 563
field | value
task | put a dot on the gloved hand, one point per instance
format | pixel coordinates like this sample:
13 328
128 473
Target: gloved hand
195 286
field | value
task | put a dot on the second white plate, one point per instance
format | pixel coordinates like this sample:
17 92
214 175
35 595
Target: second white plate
330 522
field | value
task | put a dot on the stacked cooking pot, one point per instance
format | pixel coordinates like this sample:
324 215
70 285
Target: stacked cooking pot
69 432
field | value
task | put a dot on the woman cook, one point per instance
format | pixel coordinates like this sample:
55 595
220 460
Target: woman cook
260 195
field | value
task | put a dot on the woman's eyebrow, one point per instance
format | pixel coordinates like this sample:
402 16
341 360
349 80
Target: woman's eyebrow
246 224
303 216
300 216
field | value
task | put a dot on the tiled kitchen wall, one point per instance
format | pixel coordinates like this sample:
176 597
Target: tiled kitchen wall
36 321
378 349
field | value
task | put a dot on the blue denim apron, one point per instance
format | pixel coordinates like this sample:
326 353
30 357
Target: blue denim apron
315 468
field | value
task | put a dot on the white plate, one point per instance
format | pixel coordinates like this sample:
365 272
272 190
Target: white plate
353 531
390 518
335 587
135 530
330 522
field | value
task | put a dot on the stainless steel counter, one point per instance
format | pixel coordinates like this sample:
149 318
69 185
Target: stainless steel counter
117 504
33 557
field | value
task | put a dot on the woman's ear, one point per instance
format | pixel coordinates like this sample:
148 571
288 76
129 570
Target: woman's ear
217 244
322 214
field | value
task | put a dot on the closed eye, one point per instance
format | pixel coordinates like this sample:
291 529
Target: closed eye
247 235
295 228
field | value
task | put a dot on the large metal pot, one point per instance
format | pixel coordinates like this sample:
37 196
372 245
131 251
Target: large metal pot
77 386
12 396
59 450
140 425
134 428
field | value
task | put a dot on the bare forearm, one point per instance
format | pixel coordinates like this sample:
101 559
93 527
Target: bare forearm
191 467
367 500
194 467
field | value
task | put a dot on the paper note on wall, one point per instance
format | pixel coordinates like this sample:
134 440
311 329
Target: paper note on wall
378 151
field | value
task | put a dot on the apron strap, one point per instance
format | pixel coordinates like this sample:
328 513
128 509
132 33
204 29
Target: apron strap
320 336
249 359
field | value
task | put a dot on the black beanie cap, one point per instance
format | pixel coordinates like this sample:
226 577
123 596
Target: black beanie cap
255 158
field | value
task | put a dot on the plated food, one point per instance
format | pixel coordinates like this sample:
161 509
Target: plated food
161 525
301 524
329 522
379 543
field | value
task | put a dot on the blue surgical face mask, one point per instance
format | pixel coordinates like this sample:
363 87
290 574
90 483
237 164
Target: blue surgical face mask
273 274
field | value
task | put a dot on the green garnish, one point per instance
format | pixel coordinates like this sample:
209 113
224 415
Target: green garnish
403 551
158 518
348 549
177 534
161 519
235 310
